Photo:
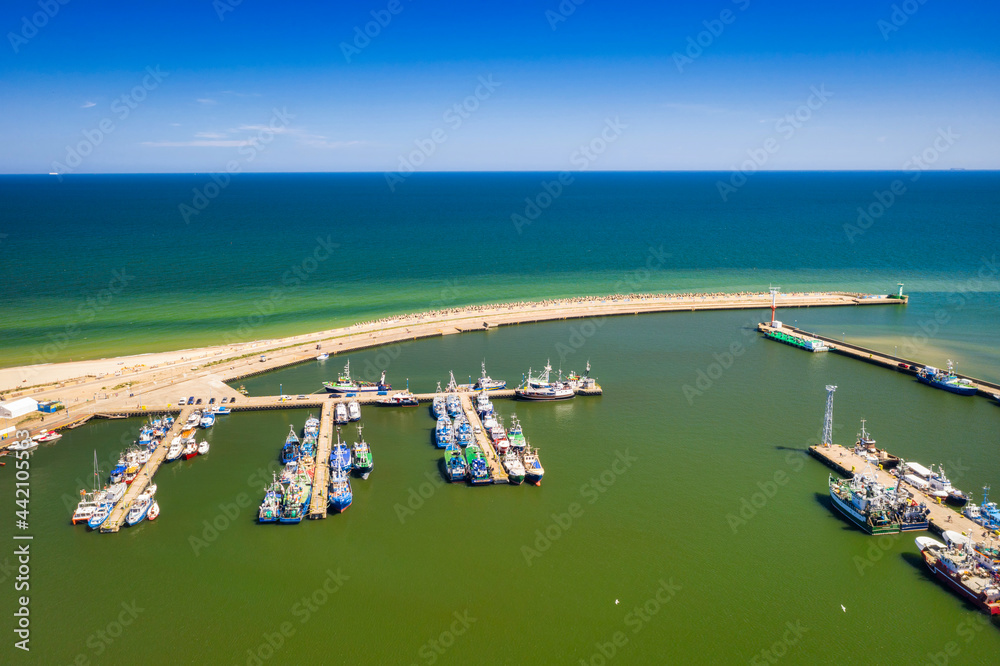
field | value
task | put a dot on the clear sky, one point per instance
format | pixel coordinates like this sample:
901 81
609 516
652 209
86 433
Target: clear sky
693 85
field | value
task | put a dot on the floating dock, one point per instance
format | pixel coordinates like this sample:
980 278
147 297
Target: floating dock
942 517
321 477
145 475
497 473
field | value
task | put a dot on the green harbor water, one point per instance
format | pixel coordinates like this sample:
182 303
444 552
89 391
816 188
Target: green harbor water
679 520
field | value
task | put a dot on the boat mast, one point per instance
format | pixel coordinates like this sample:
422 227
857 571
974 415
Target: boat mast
828 418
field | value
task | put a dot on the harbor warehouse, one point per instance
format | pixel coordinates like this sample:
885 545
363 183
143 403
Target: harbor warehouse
13 409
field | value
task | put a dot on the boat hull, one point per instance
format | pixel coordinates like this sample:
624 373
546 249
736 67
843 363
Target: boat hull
859 520
957 587
950 388
527 395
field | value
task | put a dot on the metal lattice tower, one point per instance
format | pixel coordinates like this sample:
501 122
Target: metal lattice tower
828 419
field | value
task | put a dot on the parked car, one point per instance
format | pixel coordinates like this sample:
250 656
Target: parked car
224 399
198 402
191 400
211 401
301 397
232 401
182 401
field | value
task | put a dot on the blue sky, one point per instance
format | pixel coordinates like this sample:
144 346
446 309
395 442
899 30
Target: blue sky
268 86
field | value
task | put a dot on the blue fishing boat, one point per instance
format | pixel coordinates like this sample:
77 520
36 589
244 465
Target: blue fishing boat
455 465
340 456
443 432
339 493
946 380
270 507
207 420
438 404
292 449
453 406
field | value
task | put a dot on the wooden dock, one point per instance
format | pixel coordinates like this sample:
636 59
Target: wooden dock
497 473
145 475
942 516
321 477
875 357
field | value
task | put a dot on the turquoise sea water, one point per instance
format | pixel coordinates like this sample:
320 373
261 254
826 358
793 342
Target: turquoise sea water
689 504
103 265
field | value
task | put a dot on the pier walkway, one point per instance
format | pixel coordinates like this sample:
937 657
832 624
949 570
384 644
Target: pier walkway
897 363
145 475
497 473
942 517
321 477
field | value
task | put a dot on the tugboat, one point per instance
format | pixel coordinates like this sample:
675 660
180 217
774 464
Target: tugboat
947 381
960 572
345 384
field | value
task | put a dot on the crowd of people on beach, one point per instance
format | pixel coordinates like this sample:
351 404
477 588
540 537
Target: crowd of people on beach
418 317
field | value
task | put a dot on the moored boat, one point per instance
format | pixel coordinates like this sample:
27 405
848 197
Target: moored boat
862 500
479 470
340 413
401 399
541 388
443 432
362 460
339 494
353 411
961 574
176 447
340 456
202 448
455 465
345 384
207 419
292 449
514 466
515 435
946 380
865 447
533 470
270 506
190 448
154 511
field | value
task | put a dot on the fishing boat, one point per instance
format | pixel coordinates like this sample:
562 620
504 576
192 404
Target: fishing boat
581 382
985 554
452 405
154 511
221 410
946 380
270 506
340 456
339 495
961 574
345 384
479 469
190 448
295 498
176 447
322 357
291 449
438 403
207 419
443 432
865 447
463 432
541 388
363 462
311 426
515 435
454 464
499 437
484 405
862 500
131 471
117 474
340 413
401 399
202 448
193 420
140 508
353 411
514 467
486 383
533 470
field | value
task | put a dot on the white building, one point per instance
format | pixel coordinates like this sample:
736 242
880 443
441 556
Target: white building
13 409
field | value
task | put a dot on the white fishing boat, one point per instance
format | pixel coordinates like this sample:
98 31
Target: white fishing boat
340 413
202 448
176 448
353 411
207 419
193 420
541 388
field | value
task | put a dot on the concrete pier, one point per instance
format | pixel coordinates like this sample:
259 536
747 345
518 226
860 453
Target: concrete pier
321 477
497 473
